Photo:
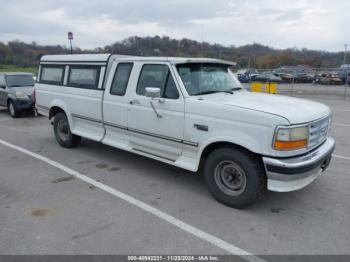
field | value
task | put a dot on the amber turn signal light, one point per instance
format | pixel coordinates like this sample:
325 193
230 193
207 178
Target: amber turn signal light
290 145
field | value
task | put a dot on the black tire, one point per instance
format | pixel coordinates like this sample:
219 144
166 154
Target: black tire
12 109
63 133
247 190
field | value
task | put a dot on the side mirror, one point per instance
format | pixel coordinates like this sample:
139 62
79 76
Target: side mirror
152 92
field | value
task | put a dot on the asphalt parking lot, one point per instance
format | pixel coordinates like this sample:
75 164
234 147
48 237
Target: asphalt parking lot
44 210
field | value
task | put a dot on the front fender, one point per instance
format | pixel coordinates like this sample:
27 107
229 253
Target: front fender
245 141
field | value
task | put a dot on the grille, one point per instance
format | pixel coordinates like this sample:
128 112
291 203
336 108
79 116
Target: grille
318 131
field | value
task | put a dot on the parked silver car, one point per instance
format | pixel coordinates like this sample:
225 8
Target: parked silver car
16 92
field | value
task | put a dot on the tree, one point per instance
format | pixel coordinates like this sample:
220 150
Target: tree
22 54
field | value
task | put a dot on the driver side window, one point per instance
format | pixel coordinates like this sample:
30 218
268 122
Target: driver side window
155 75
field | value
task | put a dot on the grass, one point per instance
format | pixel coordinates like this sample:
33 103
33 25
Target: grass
12 68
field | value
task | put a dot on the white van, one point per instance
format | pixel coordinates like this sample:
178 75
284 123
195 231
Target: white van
190 113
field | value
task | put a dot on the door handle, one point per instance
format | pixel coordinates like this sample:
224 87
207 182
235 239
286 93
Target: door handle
134 102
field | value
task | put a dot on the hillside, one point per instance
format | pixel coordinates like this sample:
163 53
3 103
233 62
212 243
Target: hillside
22 54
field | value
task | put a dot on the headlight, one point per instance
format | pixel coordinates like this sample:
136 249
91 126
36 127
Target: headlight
291 138
21 95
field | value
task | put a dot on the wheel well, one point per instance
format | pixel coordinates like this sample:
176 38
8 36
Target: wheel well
210 148
54 110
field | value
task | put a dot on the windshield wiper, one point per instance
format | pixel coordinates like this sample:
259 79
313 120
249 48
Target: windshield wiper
209 92
236 89
214 92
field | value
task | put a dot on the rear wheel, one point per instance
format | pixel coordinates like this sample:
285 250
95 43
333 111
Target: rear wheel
63 133
13 111
234 177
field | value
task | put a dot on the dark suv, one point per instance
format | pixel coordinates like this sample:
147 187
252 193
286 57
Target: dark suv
16 92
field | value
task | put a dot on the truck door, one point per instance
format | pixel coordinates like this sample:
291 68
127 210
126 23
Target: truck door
156 126
115 105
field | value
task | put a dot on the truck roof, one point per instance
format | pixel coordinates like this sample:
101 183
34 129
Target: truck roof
103 58
76 58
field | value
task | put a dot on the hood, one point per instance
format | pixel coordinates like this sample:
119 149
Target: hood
28 90
295 110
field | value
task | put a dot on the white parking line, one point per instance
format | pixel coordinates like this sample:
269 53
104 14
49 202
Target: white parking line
339 124
341 157
131 200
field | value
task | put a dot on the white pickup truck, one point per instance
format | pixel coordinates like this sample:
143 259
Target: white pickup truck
191 113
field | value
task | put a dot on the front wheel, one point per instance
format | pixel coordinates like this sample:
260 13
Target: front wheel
234 177
63 133
13 111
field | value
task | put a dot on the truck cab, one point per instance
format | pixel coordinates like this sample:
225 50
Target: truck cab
191 113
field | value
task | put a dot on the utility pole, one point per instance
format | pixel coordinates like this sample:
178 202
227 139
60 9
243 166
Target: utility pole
70 38
347 73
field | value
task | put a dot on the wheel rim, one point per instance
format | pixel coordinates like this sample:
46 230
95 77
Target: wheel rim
11 109
63 130
230 178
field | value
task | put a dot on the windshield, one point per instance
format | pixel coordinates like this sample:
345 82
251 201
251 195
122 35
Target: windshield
207 78
19 80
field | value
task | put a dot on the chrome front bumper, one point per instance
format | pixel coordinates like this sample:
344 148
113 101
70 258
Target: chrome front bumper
294 173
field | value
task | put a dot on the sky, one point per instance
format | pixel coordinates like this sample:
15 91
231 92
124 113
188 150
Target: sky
312 24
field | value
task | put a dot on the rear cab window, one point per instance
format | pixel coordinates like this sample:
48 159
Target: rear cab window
86 77
52 75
